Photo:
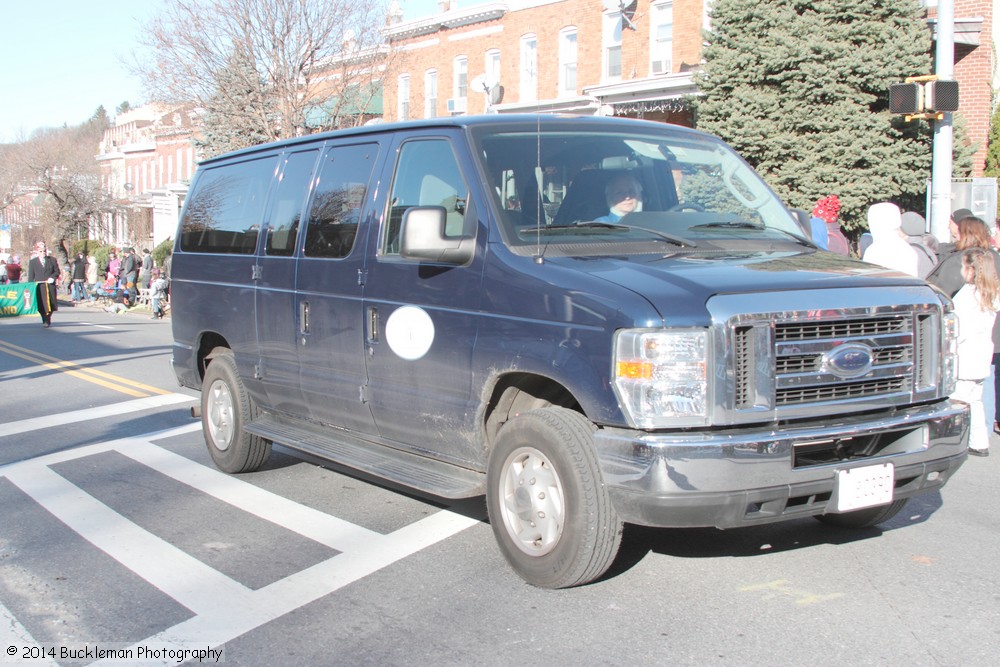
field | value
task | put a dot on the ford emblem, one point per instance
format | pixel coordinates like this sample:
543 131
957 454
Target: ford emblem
848 360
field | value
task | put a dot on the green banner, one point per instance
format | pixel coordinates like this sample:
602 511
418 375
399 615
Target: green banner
18 299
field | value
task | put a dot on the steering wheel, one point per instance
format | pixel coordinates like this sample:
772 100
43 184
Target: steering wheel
687 206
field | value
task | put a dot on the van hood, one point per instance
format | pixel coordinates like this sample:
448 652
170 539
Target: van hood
684 283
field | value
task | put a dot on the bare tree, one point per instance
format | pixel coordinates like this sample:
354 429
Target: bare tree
59 165
261 64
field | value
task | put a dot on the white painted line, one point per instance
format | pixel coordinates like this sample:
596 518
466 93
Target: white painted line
110 410
187 580
98 448
224 609
301 588
306 521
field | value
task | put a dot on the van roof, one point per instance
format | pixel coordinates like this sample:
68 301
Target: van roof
467 121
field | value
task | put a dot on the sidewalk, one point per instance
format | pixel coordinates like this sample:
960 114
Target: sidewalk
139 309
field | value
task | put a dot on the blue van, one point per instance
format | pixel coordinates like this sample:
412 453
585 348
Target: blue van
591 321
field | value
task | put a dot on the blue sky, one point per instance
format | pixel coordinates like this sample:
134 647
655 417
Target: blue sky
64 58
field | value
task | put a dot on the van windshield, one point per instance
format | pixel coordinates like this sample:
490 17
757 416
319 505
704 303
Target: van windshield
647 189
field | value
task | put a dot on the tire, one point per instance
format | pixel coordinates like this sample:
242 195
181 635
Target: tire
566 532
866 518
225 409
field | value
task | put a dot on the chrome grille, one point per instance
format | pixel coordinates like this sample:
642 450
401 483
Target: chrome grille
826 352
803 377
841 329
801 347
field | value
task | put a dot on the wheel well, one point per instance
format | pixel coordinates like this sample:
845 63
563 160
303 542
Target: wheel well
209 341
519 392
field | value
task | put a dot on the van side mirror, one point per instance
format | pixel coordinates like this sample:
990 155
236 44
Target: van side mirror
422 236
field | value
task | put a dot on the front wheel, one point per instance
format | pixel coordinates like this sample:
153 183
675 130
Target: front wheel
225 410
548 506
866 518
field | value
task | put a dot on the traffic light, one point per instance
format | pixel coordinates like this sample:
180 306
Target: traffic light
906 98
940 96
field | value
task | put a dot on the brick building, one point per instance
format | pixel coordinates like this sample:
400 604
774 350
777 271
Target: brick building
975 67
575 56
147 160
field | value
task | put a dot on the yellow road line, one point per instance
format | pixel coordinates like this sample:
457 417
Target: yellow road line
92 375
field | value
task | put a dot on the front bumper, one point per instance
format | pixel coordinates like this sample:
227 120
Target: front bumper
743 477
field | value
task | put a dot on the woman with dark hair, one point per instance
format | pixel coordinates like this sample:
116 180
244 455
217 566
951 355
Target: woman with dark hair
970 232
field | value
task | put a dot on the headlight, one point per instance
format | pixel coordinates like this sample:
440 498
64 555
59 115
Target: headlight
661 377
949 353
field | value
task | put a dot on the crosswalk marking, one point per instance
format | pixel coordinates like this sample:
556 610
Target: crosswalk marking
223 608
184 578
99 412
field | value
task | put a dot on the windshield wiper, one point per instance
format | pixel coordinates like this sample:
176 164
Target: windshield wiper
743 224
740 224
676 240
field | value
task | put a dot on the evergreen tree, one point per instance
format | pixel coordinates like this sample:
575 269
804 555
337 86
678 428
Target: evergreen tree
800 88
100 118
993 150
993 146
231 119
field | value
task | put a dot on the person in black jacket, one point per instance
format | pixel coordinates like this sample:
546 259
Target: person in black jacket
79 290
44 270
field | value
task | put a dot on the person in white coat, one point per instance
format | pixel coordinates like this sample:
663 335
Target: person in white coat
889 247
976 305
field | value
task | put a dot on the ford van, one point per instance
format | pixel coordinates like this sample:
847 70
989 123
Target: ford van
469 306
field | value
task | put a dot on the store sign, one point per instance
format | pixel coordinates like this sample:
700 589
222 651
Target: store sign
650 106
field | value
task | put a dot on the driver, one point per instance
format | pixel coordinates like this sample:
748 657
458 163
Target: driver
624 195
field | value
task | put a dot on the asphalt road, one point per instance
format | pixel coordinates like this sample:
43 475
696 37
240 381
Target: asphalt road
118 534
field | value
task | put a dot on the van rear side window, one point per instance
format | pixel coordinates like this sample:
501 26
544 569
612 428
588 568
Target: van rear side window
287 202
224 215
340 194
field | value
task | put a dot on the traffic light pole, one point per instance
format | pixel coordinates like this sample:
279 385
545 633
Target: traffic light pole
941 169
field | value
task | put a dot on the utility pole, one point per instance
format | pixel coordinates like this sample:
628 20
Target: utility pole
941 169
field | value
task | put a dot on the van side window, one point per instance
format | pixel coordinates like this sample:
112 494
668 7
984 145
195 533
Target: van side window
225 214
427 174
340 194
288 202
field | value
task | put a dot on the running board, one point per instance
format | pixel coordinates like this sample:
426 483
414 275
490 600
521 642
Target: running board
417 472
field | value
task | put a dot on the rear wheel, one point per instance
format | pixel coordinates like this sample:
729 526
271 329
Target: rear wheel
866 518
225 409
548 506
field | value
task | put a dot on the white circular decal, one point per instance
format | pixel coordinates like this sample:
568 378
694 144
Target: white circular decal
409 332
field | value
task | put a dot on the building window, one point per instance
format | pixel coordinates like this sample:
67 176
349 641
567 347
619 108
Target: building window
567 61
493 66
460 85
661 35
430 93
403 110
612 46
529 68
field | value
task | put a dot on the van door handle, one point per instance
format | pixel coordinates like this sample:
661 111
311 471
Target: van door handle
372 324
304 317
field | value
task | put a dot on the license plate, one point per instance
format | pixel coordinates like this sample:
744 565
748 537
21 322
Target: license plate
864 487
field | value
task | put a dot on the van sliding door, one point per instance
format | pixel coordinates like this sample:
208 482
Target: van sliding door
328 310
